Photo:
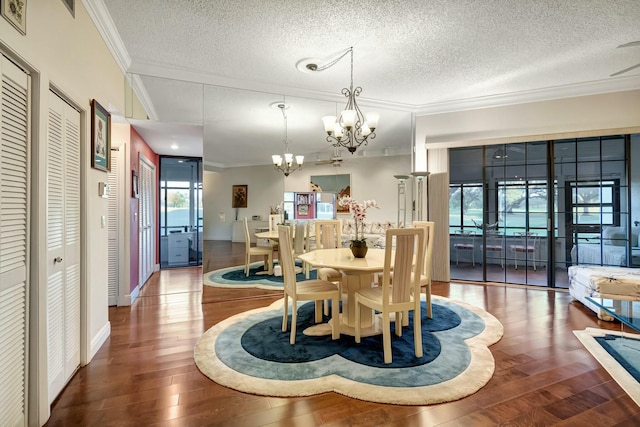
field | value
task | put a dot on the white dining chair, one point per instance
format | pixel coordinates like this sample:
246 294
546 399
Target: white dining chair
263 251
310 290
328 235
300 244
404 294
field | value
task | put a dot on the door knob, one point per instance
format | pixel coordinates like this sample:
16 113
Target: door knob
57 259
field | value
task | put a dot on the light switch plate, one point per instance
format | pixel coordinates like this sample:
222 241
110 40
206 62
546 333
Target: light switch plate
103 190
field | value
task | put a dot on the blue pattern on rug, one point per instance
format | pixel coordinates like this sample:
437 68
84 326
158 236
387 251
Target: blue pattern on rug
625 350
266 341
236 276
446 353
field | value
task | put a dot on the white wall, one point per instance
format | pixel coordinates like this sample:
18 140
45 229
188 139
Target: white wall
371 178
560 118
69 54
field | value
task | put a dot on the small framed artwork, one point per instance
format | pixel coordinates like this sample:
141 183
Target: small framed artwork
100 137
15 11
239 196
134 185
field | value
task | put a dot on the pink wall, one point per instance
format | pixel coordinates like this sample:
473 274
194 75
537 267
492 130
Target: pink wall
139 146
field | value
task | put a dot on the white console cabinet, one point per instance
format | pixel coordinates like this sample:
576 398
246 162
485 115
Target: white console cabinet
179 245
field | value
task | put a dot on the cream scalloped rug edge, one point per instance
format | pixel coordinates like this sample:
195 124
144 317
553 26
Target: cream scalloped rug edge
475 376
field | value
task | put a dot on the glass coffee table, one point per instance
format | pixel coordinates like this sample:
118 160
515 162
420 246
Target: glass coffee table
626 311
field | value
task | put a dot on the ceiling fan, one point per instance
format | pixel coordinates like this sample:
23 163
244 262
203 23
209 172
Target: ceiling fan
633 67
335 159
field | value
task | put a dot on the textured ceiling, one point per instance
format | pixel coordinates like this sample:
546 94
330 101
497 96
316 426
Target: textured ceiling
409 56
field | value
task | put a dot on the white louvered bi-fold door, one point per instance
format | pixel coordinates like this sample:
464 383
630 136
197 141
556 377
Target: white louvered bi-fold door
113 222
14 238
63 243
147 216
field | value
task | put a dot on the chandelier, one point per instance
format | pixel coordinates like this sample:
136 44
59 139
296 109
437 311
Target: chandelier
287 166
350 129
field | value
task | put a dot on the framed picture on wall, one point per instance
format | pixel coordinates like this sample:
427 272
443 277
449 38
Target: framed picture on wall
239 196
100 137
337 183
15 11
135 193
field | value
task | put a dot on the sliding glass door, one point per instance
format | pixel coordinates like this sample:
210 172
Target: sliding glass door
516 211
531 206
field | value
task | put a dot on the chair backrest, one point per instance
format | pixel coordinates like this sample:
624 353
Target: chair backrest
247 237
328 234
465 237
409 245
285 258
274 219
429 230
300 238
529 240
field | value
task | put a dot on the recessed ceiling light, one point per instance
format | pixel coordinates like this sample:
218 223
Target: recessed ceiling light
174 146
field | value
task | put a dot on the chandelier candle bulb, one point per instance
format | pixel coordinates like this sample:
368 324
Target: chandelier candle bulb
372 120
329 124
348 118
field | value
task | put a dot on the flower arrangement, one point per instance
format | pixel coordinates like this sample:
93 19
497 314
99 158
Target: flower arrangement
359 212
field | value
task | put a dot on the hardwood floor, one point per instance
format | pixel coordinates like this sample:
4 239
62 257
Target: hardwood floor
145 374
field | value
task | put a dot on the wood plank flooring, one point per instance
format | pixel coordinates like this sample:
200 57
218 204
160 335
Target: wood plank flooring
145 374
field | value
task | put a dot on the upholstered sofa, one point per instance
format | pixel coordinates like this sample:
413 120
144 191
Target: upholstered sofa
374 231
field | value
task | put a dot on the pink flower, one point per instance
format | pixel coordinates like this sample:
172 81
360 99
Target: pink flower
359 212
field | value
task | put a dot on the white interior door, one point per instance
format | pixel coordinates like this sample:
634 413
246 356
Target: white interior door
63 243
147 181
115 201
14 238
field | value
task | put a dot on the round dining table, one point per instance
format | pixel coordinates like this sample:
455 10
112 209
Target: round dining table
357 273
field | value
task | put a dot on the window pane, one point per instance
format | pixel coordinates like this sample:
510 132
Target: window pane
177 209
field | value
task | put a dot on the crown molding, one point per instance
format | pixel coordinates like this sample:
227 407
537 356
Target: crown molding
101 18
143 96
170 71
618 84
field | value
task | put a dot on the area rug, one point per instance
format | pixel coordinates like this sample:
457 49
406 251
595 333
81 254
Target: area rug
234 277
619 355
250 353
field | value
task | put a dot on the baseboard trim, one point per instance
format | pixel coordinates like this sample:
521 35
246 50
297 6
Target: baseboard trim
126 300
100 338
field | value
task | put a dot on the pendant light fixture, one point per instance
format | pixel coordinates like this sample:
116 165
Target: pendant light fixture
284 162
350 129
